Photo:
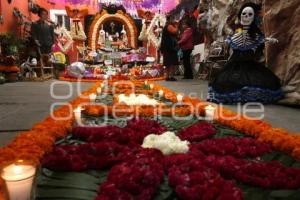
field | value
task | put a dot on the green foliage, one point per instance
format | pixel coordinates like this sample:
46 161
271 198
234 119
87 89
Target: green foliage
68 185
2 78
10 43
281 157
105 121
254 193
165 192
177 124
223 131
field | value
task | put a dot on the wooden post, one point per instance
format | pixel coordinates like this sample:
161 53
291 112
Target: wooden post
266 29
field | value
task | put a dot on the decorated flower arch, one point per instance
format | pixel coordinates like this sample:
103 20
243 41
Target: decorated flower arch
120 17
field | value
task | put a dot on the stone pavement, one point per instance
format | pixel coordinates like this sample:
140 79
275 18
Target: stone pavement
22 104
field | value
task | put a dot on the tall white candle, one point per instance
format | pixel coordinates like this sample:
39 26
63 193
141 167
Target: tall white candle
77 114
99 90
19 179
160 93
210 112
179 98
93 97
105 76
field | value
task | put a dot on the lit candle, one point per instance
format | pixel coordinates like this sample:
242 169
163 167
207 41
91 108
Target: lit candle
146 82
210 112
160 93
151 86
99 90
179 98
77 114
101 85
19 178
105 76
121 98
93 97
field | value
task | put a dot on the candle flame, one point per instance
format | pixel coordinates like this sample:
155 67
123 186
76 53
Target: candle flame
17 169
209 107
78 109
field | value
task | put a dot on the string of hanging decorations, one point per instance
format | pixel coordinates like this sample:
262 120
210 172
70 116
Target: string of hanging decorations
130 5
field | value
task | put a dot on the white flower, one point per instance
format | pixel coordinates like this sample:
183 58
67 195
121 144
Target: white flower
149 141
134 99
168 143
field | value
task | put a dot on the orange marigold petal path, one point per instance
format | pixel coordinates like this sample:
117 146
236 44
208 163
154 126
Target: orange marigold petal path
33 144
114 79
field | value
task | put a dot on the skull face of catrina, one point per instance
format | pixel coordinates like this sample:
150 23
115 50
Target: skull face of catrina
34 61
247 16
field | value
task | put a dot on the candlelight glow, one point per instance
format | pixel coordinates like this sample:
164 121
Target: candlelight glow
18 178
179 98
210 112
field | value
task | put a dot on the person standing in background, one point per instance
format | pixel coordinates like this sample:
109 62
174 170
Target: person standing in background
43 32
186 44
196 12
169 47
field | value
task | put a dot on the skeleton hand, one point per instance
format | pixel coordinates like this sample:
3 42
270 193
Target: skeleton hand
271 40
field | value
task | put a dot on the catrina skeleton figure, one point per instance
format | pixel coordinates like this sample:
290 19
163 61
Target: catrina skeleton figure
243 79
76 14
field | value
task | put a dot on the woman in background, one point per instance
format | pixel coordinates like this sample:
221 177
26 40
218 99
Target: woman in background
168 47
186 44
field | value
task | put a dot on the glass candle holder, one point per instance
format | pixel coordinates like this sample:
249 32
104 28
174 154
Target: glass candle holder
19 178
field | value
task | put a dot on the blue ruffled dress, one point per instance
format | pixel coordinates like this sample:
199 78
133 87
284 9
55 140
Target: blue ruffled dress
243 79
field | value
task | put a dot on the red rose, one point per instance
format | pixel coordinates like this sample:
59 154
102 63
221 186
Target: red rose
197 132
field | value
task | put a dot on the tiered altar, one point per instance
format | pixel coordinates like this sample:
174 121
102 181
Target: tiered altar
112 51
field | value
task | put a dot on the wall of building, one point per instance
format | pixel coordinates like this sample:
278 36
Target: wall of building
10 24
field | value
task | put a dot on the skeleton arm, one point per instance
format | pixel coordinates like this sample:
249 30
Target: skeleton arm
271 40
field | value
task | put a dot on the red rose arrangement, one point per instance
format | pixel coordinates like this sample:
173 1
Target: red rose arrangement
133 134
272 174
237 147
138 178
193 180
197 132
104 134
86 156
143 127
204 172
